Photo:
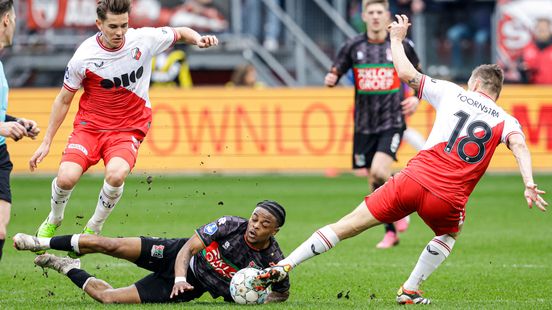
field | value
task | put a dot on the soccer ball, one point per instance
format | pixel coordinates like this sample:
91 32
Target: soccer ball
242 290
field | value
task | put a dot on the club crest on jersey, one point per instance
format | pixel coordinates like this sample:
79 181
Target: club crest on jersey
157 251
210 229
135 53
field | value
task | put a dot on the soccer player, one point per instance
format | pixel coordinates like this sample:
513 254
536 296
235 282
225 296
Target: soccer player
114 116
380 106
437 182
183 269
10 126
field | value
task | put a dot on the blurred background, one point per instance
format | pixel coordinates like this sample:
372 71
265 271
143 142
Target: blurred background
266 107
288 42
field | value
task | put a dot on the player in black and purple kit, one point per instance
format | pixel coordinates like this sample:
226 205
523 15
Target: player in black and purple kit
380 103
183 269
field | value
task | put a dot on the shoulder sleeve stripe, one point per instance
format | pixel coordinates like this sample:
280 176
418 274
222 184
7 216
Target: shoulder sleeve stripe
176 36
200 238
71 89
513 133
422 82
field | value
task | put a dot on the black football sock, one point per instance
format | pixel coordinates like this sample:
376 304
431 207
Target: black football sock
61 243
78 276
390 227
1 247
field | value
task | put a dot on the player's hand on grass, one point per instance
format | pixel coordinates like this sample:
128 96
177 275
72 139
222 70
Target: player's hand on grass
532 195
31 127
399 28
409 105
180 288
12 130
207 41
39 155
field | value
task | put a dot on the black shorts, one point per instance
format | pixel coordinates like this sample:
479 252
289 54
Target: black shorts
365 146
6 167
158 255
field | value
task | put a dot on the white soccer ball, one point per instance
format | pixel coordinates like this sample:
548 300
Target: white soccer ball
242 290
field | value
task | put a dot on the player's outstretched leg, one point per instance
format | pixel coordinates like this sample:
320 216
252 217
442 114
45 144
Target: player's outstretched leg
321 241
435 252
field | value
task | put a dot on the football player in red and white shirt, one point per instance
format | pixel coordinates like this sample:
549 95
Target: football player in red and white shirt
437 182
113 67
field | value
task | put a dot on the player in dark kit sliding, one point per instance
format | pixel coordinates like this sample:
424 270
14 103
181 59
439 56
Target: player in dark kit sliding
380 104
183 269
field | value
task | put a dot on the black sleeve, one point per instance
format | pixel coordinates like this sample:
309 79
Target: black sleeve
218 229
343 61
411 54
10 118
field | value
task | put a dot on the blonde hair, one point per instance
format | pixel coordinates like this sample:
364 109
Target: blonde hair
366 3
491 77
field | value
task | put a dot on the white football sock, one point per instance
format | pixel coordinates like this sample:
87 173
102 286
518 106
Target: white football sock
321 241
436 251
109 196
75 243
58 202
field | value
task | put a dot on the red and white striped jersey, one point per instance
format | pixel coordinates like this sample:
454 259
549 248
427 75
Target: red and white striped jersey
468 127
116 81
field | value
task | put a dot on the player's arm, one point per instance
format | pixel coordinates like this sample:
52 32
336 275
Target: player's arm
405 69
59 112
190 36
516 143
182 262
277 297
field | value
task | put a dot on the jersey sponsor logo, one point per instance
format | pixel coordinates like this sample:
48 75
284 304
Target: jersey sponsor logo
157 251
125 80
136 53
210 229
78 147
99 64
221 266
376 79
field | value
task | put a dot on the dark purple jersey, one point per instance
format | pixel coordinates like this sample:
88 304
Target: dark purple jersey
378 89
226 251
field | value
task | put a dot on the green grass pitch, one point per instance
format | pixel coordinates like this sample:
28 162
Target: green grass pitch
503 258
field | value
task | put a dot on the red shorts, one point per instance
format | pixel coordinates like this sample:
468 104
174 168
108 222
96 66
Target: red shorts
401 196
86 148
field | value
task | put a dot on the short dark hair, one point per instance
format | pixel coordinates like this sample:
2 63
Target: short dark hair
274 208
5 6
116 7
491 77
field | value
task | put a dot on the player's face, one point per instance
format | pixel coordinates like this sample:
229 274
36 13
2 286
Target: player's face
113 29
376 17
261 226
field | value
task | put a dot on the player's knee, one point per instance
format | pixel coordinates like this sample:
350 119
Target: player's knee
67 181
378 175
116 176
